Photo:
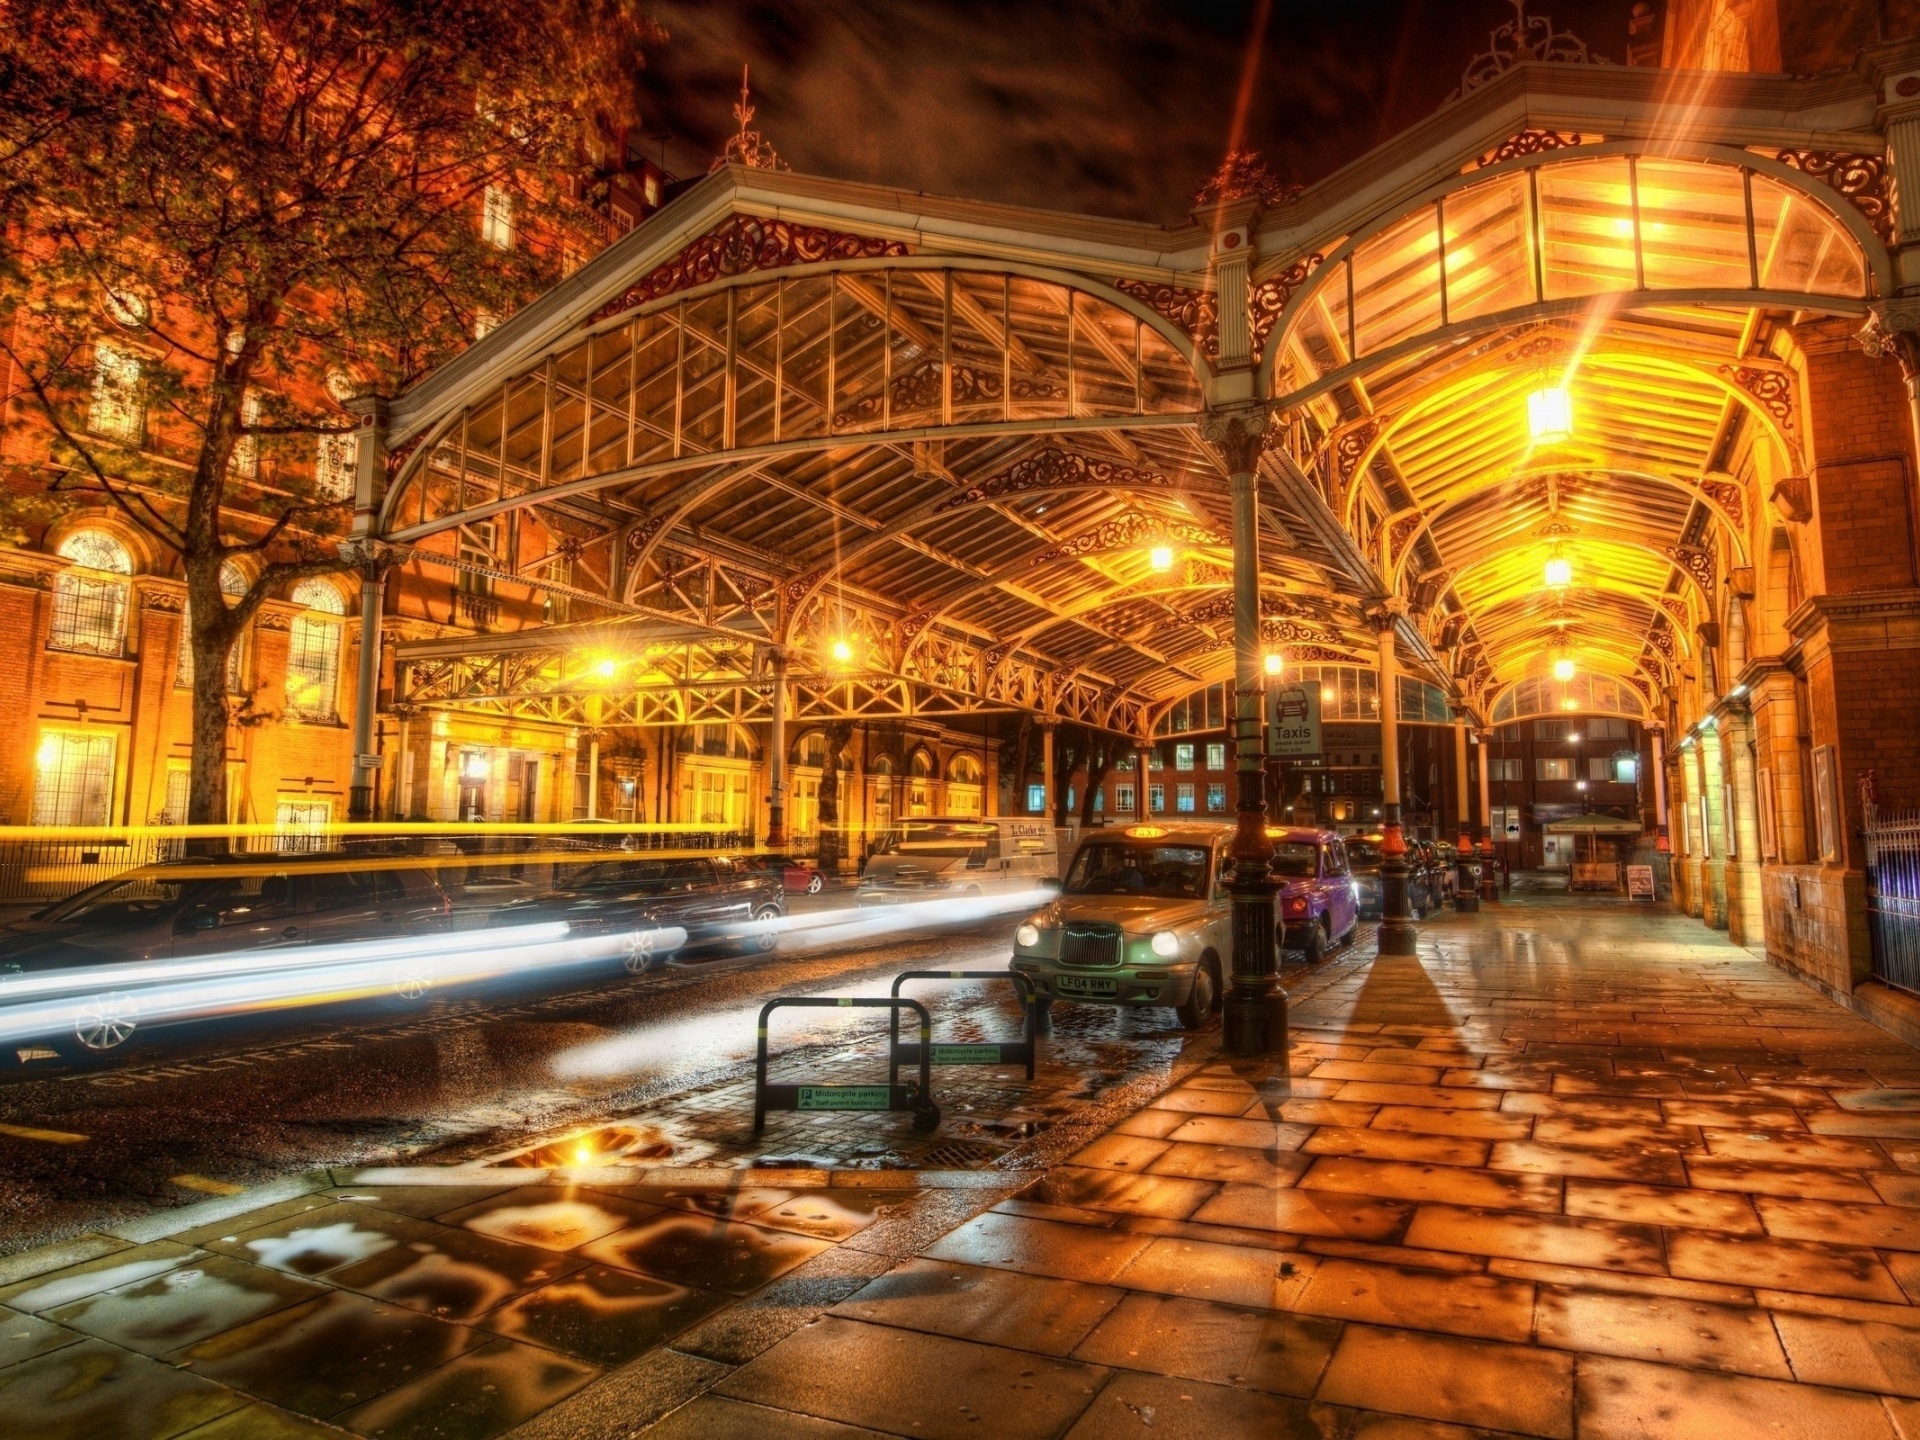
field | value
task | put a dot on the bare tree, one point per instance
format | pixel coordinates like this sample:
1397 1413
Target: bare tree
235 202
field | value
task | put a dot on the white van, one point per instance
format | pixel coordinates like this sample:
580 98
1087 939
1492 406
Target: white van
943 855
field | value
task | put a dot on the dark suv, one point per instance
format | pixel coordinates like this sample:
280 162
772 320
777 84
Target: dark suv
714 898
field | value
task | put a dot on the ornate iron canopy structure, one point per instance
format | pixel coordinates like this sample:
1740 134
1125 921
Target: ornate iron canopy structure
943 457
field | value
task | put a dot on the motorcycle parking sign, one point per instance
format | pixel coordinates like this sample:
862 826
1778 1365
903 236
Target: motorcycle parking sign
1293 721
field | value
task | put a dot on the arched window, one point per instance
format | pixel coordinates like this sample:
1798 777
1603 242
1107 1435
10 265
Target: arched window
964 790
920 770
313 658
90 600
233 584
811 750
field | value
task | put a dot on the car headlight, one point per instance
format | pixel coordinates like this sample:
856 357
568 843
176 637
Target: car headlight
1027 936
1165 942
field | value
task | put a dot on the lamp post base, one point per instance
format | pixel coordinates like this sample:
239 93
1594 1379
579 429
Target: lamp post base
1398 937
1253 1023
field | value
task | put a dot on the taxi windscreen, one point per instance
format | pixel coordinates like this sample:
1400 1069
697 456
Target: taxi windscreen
1114 867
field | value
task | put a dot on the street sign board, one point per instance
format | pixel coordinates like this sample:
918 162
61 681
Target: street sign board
1293 721
1640 882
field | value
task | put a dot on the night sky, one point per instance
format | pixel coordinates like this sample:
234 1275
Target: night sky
1110 107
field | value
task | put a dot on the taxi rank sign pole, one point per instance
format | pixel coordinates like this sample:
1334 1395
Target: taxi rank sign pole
1293 723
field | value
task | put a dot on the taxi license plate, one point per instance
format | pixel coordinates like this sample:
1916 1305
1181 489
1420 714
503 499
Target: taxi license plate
1086 985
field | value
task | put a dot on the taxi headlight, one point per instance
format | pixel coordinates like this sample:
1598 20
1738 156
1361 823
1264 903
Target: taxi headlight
1165 942
1027 936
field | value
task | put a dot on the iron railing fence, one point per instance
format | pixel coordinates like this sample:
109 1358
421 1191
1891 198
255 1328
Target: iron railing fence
474 868
1893 894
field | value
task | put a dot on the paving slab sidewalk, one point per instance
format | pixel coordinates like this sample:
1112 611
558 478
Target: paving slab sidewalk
1573 1169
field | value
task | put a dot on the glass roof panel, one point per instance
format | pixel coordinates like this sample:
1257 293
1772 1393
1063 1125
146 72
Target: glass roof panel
1396 278
1489 248
1586 224
1801 246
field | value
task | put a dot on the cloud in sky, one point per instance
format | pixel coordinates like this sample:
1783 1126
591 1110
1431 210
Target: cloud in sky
1112 107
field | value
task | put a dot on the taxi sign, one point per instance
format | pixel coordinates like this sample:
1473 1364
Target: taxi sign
1145 832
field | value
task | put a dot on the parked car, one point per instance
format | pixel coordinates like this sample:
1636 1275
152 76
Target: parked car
1363 864
797 876
960 855
1318 902
1435 877
211 906
714 898
1143 918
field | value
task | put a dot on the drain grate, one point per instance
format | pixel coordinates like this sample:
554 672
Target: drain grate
959 1155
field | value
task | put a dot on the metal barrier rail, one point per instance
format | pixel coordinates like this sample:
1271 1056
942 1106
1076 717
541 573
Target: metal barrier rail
994 1052
892 1096
1893 893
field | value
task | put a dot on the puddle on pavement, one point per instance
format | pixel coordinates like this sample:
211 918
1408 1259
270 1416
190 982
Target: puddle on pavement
624 1144
604 1315
552 1224
314 1250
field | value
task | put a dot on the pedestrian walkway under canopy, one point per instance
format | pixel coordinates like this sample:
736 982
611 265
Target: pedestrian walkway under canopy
1515 383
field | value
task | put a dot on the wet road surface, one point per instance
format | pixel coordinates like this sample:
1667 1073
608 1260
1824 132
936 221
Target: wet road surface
194 1114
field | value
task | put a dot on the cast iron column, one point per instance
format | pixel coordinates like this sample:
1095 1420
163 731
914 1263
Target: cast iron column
1140 786
1466 895
777 754
1661 842
1489 883
1255 1008
366 554
1397 933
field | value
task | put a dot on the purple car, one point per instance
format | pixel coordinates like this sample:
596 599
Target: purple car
1318 902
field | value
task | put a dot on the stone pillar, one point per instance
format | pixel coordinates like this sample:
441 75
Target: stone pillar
1255 1009
1465 891
1397 933
1489 878
777 755
1744 925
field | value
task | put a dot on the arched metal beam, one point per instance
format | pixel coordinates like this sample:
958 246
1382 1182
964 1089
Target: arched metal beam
1678 147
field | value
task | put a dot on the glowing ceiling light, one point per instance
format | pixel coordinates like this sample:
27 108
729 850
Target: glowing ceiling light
842 651
604 669
1550 415
1559 573
1161 557
1274 662
1563 670
1326 693
1569 704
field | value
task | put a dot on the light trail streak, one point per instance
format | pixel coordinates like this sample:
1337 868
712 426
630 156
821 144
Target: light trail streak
281 986
820 929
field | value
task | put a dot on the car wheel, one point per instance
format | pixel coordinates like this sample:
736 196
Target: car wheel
1316 947
1204 995
761 942
816 882
636 952
102 1025
410 979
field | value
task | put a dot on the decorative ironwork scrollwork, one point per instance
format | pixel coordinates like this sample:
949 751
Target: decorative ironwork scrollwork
1523 38
1532 142
1267 299
1771 389
1053 469
1730 496
1245 175
918 388
1128 531
1863 180
1697 561
1196 313
743 244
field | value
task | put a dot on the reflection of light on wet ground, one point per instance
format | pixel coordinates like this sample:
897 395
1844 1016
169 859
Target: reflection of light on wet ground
320 1248
730 1035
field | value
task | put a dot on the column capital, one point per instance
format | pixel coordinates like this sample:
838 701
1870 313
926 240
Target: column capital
372 558
1892 331
1238 433
1384 615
